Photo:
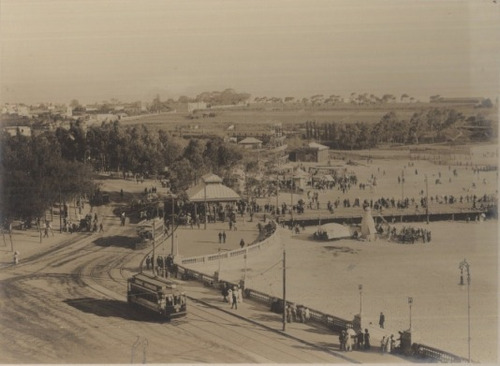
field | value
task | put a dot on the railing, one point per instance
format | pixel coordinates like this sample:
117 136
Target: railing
331 322
269 240
421 350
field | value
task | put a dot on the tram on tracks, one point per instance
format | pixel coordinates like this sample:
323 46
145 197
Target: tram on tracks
157 294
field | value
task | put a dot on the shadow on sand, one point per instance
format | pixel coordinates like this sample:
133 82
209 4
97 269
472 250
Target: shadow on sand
113 308
117 241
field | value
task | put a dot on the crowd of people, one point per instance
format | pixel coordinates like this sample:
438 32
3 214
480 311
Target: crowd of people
409 235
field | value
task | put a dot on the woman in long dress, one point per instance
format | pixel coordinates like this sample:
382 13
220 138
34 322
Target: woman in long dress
230 296
240 295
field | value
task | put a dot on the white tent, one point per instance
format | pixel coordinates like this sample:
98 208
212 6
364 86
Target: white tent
368 225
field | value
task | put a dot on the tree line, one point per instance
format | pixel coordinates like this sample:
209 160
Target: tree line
433 125
54 166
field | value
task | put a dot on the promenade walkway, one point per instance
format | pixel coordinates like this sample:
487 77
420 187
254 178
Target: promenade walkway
311 335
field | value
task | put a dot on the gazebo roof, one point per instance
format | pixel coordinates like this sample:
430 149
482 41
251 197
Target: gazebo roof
250 140
211 178
211 189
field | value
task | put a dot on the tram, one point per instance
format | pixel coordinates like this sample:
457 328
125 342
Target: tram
157 294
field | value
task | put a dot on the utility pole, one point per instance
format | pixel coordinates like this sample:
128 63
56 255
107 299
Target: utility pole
360 288
206 208
154 245
464 265
284 290
427 198
173 225
410 303
277 193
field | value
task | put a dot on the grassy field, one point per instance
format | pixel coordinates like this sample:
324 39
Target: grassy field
262 115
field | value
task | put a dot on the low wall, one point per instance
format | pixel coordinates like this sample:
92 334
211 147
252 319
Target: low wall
268 241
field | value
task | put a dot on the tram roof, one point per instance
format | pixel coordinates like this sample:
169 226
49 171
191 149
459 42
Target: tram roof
155 281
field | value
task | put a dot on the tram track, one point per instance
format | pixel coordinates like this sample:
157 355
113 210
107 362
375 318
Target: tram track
94 314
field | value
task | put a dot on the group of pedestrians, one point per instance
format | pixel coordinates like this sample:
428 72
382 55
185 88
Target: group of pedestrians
349 340
233 296
297 313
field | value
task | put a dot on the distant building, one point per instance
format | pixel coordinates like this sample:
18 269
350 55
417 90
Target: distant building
313 152
196 105
251 143
23 130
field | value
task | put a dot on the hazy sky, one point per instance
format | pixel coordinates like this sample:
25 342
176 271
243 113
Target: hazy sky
57 50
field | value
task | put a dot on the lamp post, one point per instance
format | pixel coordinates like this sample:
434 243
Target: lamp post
410 303
360 288
465 266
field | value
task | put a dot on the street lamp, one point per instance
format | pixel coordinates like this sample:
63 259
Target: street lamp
410 303
465 266
360 288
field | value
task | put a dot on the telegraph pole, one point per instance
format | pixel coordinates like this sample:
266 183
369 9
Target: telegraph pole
427 198
173 225
154 245
284 290
464 265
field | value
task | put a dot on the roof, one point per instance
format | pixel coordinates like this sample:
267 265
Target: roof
212 192
315 145
250 140
211 178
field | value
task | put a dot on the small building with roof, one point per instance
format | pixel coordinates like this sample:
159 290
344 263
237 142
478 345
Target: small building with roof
251 143
311 153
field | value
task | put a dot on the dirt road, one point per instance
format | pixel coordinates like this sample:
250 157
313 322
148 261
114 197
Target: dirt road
68 305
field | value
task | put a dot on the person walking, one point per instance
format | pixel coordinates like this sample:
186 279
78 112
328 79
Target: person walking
224 292
242 243
342 339
307 315
220 237
234 294
381 320
230 296
148 262
367 340
16 257
240 294
223 236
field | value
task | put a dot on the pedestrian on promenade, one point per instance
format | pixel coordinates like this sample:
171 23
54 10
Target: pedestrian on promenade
382 344
242 243
224 292
307 315
367 340
235 299
220 237
148 262
230 296
359 340
381 320
223 236
16 257
342 339
101 228
240 294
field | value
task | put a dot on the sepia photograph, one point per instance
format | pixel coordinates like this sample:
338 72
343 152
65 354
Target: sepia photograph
249 181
